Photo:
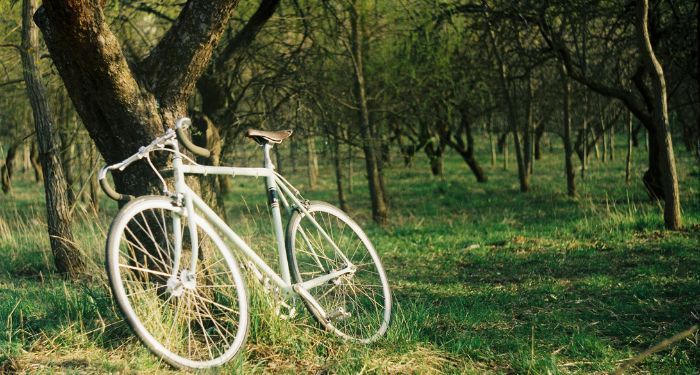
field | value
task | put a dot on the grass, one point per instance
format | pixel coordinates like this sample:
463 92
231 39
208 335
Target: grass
486 279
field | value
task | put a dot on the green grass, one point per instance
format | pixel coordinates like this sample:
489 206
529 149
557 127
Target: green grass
486 279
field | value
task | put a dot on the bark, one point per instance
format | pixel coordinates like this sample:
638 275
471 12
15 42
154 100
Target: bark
539 133
584 137
568 149
36 163
67 163
351 162
611 143
376 191
338 169
68 146
205 134
124 105
604 137
628 161
595 138
529 126
7 169
94 183
523 174
466 150
293 156
635 135
492 141
667 163
435 151
67 257
311 162
505 151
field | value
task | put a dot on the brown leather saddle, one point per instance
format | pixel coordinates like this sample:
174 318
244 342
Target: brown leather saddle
263 136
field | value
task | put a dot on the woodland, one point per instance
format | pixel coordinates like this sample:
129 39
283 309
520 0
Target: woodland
529 172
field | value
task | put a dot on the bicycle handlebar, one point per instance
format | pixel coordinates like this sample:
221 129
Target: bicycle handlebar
183 124
180 126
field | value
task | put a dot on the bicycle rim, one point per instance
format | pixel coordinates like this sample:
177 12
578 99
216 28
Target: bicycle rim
193 321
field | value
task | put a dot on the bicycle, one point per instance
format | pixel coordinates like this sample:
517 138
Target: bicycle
180 287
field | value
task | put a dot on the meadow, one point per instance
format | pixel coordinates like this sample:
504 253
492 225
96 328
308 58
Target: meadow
485 279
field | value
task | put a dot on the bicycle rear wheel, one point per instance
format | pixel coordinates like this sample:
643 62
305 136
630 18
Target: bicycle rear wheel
190 320
357 304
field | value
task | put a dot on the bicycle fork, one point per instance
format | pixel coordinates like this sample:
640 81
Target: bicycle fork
186 279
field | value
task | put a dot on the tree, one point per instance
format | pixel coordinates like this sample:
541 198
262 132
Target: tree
669 177
645 103
125 104
66 255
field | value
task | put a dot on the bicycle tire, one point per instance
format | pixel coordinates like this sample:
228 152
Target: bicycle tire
357 320
210 308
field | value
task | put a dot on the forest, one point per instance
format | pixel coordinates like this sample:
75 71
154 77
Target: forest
528 172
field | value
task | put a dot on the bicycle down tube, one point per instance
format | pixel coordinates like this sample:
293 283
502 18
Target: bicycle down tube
274 184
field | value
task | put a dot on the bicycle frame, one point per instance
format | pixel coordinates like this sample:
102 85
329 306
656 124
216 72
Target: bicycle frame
193 204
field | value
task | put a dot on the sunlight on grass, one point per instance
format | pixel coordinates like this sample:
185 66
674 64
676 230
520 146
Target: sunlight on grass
486 280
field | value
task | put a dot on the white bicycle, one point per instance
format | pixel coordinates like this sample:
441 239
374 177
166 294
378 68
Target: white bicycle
180 287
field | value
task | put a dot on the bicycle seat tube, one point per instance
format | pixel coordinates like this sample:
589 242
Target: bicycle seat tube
273 201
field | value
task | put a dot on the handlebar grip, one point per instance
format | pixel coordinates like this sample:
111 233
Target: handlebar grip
181 125
110 191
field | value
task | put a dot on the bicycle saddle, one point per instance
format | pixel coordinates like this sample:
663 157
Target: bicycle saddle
262 136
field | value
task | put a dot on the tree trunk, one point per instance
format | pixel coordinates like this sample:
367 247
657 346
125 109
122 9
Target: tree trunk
379 206
7 170
539 133
523 175
67 164
351 161
604 136
611 143
206 134
584 135
492 141
125 105
94 183
505 151
669 178
594 135
529 128
635 135
36 163
466 151
628 161
568 149
311 161
293 156
342 201
66 256
435 154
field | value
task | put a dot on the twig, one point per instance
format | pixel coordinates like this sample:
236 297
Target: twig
656 348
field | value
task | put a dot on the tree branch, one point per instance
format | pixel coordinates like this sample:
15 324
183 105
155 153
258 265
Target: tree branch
626 96
179 59
246 36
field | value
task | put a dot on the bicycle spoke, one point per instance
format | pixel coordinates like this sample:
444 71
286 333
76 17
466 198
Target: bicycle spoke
359 298
189 320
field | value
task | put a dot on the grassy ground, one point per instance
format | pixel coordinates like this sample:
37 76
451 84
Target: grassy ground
486 280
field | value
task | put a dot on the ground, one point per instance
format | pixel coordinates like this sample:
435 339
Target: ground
486 279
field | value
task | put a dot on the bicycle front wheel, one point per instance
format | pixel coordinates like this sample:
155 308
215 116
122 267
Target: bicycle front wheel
190 319
357 304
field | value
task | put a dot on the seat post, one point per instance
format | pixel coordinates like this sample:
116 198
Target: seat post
267 159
